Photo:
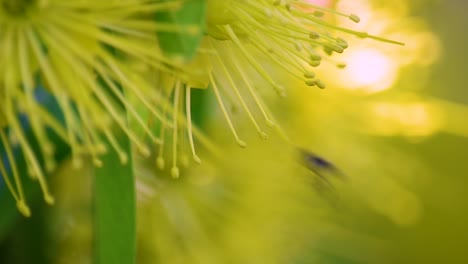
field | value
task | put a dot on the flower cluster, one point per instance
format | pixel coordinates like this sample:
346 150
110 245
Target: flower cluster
246 44
78 52
84 53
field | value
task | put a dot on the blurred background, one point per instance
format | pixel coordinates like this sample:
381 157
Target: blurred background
394 121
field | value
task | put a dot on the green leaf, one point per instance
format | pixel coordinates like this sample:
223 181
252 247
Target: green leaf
8 213
115 209
28 235
201 102
190 19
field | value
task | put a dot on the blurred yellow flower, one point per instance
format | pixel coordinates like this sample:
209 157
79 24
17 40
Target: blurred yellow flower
78 51
87 55
249 48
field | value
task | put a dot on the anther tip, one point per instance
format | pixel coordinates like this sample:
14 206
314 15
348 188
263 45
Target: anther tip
123 157
270 123
314 35
145 152
175 172
197 159
263 135
337 48
343 43
314 63
354 18
320 84
315 57
23 208
49 199
341 65
318 13
280 90
241 143
101 148
97 162
310 83
160 163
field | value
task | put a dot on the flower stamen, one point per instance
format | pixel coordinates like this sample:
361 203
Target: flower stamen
188 115
19 197
225 113
175 169
260 70
252 92
233 85
160 159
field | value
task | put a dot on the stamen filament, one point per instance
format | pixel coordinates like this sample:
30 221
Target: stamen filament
29 154
13 167
188 115
27 83
225 113
254 63
262 134
256 98
175 169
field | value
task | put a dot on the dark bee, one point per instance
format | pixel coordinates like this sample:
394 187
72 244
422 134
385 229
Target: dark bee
325 173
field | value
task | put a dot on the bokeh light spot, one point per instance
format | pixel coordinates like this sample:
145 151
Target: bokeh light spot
369 70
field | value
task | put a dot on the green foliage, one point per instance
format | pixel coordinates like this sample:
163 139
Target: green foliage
190 21
114 204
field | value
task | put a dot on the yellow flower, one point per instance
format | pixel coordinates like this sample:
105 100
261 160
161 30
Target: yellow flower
78 50
247 48
266 38
86 54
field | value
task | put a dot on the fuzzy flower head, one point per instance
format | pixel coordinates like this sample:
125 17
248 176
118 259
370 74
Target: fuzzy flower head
247 48
82 54
77 51
255 36
292 35
250 43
